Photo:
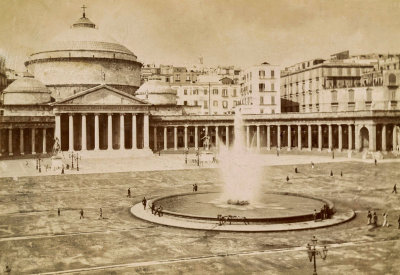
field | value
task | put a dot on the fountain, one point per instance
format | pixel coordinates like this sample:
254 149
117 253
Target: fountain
242 199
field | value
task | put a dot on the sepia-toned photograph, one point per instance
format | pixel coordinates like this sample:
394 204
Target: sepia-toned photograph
199 137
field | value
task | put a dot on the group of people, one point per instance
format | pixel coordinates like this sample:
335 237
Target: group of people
156 210
323 214
373 219
223 219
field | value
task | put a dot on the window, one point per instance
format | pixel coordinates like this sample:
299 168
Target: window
234 93
351 95
369 95
333 96
185 92
224 104
250 75
215 91
392 79
272 87
205 104
177 77
261 74
205 91
195 92
224 92
185 103
215 103
261 87
196 103
167 79
261 100
273 100
272 73
188 78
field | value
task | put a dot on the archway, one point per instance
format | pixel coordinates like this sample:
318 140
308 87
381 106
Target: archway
364 136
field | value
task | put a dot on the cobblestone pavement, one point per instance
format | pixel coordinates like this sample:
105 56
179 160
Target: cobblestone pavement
34 239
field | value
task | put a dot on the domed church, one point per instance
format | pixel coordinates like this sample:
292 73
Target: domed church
79 91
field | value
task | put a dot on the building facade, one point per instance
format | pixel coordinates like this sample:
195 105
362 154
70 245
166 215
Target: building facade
260 92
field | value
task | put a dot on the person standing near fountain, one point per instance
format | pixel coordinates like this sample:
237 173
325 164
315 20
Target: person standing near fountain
144 202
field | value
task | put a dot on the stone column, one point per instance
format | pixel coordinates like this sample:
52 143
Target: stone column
299 137
248 136
268 137
350 137
320 137
134 138
330 147
96 132
357 141
21 141
216 136
33 141
185 137
10 148
122 132
175 138
44 141
165 138
57 129
258 138
383 137
309 137
155 138
227 136
372 138
340 138
71 132
84 141
289 137
394 137
146 131
196 137
278 134
109 132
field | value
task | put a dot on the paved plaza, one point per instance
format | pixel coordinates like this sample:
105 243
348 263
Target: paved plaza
34 239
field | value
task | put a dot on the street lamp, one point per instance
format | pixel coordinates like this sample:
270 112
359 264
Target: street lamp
198 156
38 167
72 155
186 154
312 252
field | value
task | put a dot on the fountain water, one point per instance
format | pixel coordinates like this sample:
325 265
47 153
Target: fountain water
240 168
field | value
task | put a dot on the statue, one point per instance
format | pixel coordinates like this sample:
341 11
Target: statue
56 146
206 142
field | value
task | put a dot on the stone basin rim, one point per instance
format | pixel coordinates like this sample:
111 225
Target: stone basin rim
279 219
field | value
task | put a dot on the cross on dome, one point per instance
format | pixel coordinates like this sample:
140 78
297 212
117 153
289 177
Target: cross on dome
83 9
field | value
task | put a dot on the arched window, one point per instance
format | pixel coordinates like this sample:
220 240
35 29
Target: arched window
334 96
392 79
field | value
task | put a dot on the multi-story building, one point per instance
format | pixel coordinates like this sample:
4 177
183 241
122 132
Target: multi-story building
213 94
260 89
302 83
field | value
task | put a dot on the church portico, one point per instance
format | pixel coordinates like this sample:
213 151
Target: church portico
89 124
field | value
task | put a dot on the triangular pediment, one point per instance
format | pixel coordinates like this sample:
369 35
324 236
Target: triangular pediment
101 95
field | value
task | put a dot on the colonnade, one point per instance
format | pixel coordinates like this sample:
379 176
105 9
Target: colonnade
114 132
309 136
24 141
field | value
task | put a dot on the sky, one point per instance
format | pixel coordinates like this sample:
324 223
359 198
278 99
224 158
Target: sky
223 32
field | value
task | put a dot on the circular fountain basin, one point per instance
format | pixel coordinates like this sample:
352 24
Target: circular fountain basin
271 207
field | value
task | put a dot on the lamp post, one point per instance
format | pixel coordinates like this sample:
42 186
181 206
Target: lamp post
77 158
71 156
38 167
186 154
198 156
312 252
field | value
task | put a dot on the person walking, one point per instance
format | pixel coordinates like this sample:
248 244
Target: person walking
129 192
144 202
399 222
101 214
341 173
81 212
375 219
385 221
331 173
295 170
369 216
394 189
59 212
312 165
376 162
287 178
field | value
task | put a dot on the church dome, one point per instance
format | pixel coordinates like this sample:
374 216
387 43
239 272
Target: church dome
26 90
157 92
